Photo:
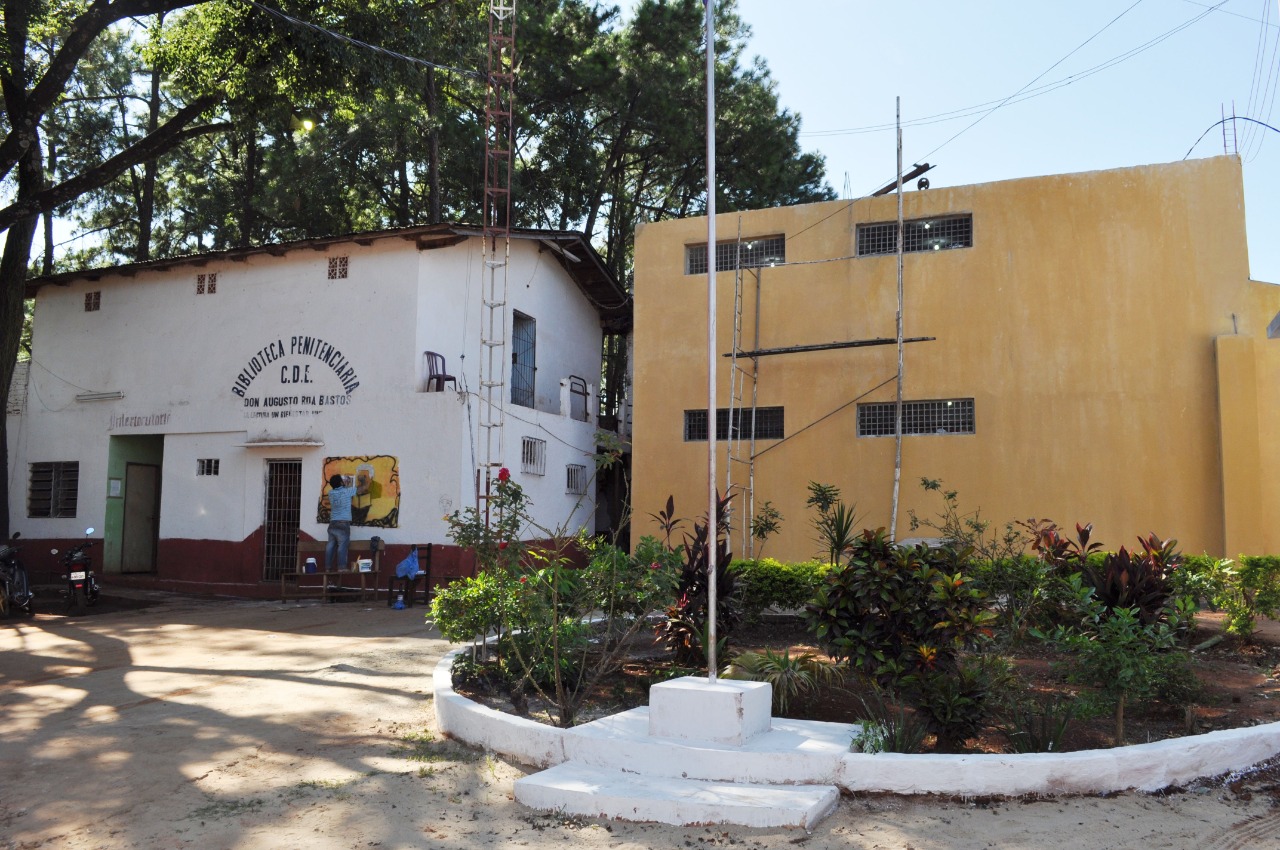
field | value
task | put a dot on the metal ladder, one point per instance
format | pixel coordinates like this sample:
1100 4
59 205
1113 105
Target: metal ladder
494 361
742 378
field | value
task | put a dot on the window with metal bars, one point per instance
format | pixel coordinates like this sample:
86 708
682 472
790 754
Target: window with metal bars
748 254
918 234
947 416
53 489
207 283
524 358
767 423
207 466
533 456
338 268
92 302
575 479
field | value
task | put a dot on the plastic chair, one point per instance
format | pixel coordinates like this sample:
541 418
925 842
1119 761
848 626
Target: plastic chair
407 588
437 375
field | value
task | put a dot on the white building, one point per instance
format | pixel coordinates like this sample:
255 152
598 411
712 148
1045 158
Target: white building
191 409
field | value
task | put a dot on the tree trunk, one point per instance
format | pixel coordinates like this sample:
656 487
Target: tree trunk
1120 721
436 205
13 276
402 179
147 201
249 185
46 265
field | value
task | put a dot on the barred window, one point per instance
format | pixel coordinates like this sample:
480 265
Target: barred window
766 424
207 466
918 234
92 302
533 456
207 283
947 416
338 268
749 254
575 479
53 489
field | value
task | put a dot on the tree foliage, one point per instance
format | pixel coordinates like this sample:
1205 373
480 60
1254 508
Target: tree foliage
162 127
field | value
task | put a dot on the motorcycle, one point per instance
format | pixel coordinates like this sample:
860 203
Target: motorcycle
15 591
82 584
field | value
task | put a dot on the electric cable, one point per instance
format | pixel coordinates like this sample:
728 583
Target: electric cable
355 42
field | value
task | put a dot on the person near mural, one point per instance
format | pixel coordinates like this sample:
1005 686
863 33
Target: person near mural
340 496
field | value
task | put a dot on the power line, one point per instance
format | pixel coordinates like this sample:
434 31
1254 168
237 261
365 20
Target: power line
364 45
1026 92
1220 123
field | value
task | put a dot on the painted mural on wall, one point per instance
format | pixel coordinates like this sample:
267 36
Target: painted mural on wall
377 482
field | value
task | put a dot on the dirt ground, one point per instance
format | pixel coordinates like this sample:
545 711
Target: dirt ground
255 725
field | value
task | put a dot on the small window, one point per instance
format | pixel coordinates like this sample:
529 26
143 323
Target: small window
745 254
918 234
575 479
948 416
765 423
533 456
207 466
92 302
53 489
206 284
338 268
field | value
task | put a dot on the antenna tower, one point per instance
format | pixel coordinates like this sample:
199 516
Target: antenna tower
499 135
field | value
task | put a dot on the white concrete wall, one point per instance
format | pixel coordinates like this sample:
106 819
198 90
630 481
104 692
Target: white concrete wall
186 366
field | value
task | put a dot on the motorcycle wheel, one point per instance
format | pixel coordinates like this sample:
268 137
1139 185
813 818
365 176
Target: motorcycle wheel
76 601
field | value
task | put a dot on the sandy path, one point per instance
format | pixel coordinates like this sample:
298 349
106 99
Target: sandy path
258 725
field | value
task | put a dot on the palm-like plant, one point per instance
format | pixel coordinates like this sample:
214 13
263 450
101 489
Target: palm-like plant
792 677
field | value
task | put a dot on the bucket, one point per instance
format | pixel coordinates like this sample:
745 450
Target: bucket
310 566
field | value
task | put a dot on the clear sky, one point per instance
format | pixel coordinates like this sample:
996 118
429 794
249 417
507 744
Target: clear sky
841 63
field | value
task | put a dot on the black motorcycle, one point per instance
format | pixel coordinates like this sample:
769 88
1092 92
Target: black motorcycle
82 584
15 591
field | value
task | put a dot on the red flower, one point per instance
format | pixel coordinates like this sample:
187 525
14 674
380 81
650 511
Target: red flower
654 566
502 545
504 474
523 579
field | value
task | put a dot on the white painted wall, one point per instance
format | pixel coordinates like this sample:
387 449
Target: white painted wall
177 355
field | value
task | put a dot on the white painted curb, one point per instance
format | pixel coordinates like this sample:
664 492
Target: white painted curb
526 741
1144 767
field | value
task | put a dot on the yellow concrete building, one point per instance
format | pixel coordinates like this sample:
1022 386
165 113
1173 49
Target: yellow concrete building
1094 351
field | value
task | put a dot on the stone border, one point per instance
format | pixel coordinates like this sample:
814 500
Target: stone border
1144 767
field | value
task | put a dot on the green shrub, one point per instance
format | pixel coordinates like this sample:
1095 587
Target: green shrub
902 616
896 610
1121 656
1037 724
767 583
887 726
1244 590
470 608
1259 578
792 677
1023 593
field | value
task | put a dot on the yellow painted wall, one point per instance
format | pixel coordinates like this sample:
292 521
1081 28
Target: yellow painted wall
1082 322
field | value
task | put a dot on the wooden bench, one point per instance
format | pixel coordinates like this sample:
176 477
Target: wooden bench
331 585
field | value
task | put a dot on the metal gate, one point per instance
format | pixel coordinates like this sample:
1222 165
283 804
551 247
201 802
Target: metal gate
524 361
281 514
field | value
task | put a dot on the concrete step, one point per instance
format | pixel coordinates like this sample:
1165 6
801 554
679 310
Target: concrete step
792 752
580 789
